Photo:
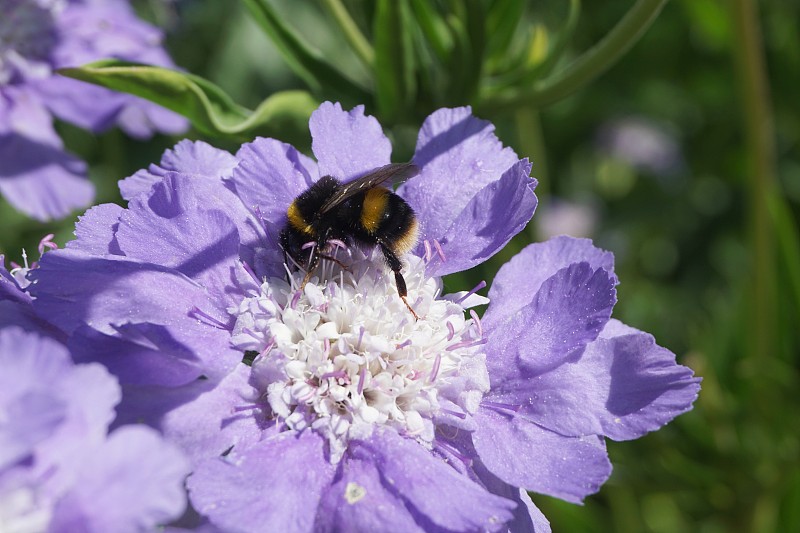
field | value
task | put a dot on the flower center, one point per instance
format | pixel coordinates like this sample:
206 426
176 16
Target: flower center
345 354
27 35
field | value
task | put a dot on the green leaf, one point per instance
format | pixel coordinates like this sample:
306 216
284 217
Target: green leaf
467 25
394 60
209 108
434 28
501 23
324 79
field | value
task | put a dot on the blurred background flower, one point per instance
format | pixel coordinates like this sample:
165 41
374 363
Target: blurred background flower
37 176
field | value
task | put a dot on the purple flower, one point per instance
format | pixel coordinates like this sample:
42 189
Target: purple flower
60 469
36 37
351 415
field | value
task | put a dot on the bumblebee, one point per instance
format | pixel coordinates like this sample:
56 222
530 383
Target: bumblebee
361 211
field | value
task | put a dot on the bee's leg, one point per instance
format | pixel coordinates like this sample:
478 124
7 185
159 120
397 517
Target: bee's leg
313 261
396 265
331 258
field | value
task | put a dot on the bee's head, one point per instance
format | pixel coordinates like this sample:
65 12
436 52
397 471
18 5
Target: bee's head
295 245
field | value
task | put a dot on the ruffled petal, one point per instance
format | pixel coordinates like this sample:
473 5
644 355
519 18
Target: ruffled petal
201 244
133 482
223 417
491 218
95 231
518 281
438 495
275 485
622 387
360 501
73 289
525 455
269 176
568 312
458 156
192 158
527 517
147 354
178 193
347 144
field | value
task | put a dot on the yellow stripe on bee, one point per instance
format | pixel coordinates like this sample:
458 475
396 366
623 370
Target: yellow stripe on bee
297 221
375 201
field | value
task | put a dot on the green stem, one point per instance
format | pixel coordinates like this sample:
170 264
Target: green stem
588 66
354 37
531 144
749 56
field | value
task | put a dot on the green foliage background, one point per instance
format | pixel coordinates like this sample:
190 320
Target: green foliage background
708 255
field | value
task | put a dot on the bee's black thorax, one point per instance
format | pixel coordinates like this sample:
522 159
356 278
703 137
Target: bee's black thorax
358 212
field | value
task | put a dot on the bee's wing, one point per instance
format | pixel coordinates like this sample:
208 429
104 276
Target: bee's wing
394 171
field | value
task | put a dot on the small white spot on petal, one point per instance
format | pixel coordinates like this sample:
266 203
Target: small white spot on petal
354 493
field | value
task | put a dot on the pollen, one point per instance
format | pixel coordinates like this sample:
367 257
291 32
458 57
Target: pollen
354 493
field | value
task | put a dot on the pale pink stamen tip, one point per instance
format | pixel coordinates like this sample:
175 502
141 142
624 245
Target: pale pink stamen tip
478 287
326 348
47 242
435 369
451 330
309 244
428 251
439 250
477 321
295 299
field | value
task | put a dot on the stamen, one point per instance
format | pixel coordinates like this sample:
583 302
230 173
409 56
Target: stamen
451 330
266 350
456 414
451 451
402 345
241 408
360 337
247 268
198 313
502 408
466 344
362 378
295 299
338 374
478 287
337 243
326 348
477 320
309 244
435 369
439 250
428 251
47 242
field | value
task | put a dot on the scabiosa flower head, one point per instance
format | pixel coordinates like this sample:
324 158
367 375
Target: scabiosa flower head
328 406
37 37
